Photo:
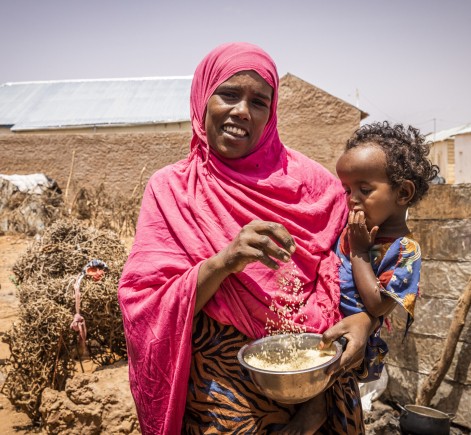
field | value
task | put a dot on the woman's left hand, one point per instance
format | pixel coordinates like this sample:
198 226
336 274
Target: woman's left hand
355 329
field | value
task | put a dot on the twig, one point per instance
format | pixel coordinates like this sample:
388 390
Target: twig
70 177
139 184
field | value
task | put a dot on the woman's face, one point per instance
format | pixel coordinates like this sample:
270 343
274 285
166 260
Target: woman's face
236 114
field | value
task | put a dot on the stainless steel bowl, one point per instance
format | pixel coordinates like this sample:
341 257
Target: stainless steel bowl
294 386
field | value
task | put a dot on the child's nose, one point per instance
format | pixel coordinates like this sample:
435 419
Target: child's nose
352 200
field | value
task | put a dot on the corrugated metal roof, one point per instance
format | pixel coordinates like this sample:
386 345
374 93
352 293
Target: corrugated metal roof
77 103
449 133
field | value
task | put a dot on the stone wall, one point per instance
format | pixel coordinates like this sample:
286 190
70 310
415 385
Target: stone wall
442 224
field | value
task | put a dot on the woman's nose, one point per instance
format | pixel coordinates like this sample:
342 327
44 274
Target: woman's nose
241 109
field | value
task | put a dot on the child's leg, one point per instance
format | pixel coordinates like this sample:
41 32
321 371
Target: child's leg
309 419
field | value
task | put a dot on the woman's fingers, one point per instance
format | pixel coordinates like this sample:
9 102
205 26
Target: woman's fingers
267 242
260 255
276 233
272 239
336 332
356 330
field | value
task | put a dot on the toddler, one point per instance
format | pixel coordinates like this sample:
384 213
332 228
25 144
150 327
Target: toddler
384 170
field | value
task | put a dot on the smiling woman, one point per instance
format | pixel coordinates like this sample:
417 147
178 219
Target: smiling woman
216 233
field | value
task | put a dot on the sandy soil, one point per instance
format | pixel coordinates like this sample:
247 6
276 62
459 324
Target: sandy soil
381 421
11 248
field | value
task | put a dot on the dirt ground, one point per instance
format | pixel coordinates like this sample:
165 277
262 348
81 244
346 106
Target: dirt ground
382 420
13 422
11 248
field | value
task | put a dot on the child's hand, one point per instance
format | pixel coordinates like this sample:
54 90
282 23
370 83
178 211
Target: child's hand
359 238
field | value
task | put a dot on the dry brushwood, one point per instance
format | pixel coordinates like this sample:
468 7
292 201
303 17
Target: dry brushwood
101 209
29 213
98 207
42 345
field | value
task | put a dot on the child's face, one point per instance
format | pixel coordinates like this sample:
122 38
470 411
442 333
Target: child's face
362 171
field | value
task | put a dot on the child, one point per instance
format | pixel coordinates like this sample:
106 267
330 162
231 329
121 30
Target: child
384 170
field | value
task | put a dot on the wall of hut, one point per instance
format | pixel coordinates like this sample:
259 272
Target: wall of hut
314 122
442 224
310 120
115 159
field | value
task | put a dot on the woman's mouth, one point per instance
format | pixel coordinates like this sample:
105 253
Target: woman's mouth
234 131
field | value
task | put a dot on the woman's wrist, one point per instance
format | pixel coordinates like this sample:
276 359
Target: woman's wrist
371 321
210 276
216 266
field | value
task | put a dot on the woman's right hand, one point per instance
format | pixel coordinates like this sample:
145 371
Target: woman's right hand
259 240
262 241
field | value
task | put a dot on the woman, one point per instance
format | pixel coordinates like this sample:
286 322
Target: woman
214 233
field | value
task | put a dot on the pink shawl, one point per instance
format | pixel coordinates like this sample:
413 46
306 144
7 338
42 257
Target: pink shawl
194 208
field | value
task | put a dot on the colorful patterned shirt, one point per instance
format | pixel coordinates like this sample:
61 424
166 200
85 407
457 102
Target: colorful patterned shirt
396 263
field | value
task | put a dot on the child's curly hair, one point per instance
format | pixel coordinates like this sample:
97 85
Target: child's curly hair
406 154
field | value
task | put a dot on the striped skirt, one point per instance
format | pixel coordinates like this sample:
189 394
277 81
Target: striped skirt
223 399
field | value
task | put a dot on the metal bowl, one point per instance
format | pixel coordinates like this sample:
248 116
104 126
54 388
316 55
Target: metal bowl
295 386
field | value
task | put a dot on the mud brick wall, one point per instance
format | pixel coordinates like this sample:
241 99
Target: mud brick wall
115 159
310 120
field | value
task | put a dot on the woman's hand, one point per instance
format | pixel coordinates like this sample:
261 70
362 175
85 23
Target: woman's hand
355 329
359 238
261 241
258 241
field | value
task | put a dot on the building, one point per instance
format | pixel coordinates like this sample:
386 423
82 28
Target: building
451 151
91 106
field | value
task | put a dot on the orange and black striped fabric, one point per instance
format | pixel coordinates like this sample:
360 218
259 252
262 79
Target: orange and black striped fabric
222 398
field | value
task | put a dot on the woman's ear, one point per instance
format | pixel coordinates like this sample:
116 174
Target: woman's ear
406 192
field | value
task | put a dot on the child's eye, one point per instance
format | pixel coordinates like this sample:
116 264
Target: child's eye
365 191
347 192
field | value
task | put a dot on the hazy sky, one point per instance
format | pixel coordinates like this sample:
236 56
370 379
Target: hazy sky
402 60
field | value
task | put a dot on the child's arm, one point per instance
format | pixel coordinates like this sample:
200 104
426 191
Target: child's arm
366 282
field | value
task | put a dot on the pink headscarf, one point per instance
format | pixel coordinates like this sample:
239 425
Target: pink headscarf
196 207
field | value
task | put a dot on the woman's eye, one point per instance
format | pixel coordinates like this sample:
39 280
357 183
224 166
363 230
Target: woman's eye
228 95
260 103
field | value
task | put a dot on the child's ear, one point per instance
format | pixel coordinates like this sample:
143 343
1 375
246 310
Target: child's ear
406 192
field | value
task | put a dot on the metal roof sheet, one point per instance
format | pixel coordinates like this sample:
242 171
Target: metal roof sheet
449 133
75 103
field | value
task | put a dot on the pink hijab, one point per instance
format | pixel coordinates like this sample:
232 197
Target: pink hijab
193 209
